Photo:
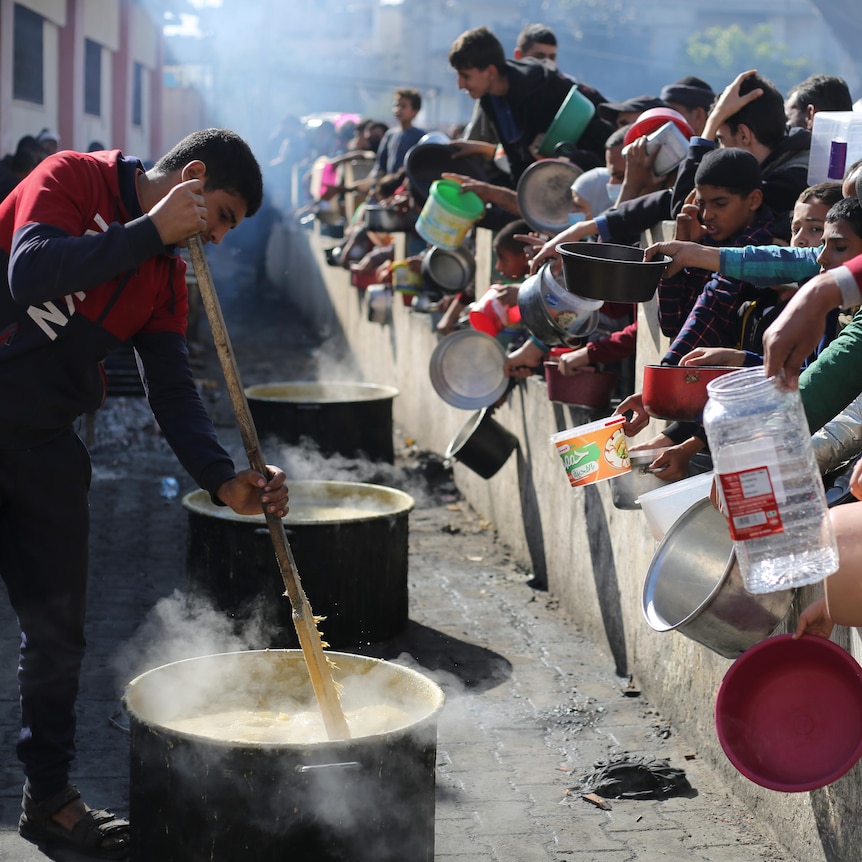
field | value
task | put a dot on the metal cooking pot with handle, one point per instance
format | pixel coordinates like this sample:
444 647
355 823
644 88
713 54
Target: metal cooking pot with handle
450 270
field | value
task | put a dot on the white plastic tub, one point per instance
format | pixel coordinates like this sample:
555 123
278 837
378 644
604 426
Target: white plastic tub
664 505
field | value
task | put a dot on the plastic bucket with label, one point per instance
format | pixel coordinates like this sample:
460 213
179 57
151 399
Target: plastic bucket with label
593 452
448 214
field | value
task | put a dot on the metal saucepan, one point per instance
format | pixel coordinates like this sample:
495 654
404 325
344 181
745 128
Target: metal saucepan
678 391
482 444
693 586
545 194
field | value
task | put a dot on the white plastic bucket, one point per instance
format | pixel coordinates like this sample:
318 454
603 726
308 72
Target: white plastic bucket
448 214
664 506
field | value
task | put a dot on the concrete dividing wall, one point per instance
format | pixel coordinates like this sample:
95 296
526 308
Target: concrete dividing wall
592 556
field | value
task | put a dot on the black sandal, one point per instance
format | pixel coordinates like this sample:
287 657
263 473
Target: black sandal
99 833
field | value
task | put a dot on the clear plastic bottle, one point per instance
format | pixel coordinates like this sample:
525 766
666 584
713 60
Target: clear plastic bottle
772 490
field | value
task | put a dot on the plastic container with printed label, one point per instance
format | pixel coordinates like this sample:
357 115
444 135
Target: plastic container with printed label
772 491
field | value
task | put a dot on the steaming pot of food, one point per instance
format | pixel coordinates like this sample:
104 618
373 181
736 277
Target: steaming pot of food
350 419
350 542
230 761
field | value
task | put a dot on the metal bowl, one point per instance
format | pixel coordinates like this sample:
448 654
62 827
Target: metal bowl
450 270
545 194
613 273
693 586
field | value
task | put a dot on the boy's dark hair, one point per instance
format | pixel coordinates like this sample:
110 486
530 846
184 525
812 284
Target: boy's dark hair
824 92
848 210
410 93
616 138
824 193
533 33
765 115
477 49
733 169
231 165
505 237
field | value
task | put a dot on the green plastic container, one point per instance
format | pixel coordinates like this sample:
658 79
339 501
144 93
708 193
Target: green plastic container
568 125
448 214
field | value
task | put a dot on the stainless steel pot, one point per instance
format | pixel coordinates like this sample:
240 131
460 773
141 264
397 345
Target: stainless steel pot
627 488
389 219
449 270
379 299
693 586
553 314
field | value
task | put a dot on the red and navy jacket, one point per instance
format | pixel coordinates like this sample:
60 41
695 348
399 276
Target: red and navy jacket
84 271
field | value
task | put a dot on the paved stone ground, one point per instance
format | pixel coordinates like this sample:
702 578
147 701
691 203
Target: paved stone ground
532 705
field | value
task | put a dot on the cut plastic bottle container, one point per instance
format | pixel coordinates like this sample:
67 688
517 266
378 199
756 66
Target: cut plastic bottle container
771 487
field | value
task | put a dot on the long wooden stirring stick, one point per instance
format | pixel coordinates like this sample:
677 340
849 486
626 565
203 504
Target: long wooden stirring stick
303 619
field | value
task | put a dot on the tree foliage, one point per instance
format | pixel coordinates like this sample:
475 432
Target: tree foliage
719 54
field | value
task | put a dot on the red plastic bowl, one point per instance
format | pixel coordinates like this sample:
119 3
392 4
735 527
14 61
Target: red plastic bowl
590 388
678 391
789 713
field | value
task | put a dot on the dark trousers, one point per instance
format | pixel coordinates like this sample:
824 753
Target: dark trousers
44 526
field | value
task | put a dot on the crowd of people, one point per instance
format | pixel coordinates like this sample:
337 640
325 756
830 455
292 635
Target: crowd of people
765 269
753 248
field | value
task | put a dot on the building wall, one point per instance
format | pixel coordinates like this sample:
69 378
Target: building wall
126 34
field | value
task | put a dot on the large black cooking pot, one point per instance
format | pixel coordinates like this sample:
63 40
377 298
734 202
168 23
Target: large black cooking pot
196 798
350 541
614 273
350 419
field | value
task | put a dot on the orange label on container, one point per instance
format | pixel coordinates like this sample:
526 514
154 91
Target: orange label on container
593 452
751 505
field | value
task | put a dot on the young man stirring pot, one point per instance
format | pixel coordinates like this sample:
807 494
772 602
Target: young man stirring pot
89 247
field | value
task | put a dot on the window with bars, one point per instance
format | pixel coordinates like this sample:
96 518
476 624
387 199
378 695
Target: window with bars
28 56
92 78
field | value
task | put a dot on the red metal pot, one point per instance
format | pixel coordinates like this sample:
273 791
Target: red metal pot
678 391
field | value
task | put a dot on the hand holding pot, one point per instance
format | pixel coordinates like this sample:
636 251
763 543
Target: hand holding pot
685 254
726 356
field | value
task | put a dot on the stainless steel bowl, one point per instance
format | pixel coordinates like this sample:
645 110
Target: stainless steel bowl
626 489
693 586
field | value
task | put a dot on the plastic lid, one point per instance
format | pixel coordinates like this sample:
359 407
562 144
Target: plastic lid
450 195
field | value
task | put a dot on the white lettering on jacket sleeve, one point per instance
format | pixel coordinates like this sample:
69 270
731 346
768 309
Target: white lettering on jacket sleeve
48 316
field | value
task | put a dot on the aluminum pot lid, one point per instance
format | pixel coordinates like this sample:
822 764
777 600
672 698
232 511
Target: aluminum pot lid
545 194
466 369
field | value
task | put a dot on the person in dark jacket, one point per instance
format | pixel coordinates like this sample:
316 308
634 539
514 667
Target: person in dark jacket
90 261
519 97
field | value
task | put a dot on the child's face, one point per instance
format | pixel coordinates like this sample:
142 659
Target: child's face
511 264
724 213
841 243
806 229
403 110
477 82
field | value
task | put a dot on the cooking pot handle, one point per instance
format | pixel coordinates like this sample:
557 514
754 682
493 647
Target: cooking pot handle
318 767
